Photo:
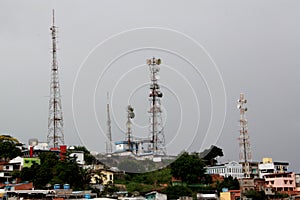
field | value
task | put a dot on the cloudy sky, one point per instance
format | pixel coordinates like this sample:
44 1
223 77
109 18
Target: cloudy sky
211 51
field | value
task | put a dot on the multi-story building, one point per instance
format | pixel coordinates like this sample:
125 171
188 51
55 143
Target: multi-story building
269 167
281 182
232 168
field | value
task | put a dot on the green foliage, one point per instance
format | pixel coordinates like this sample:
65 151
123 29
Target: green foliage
109 189
255 195
189 168
229 183
54 171
174 192
154 178
8 150
140 187
209 155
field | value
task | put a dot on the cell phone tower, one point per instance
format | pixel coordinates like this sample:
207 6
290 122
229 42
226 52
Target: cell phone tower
55 120
156 122
129 136
108 140
245 150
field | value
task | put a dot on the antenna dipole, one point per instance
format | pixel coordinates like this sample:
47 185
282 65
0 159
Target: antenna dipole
156 122
55 120
245 150
109 140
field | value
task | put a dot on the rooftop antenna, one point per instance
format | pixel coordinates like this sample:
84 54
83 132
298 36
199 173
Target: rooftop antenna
109 140
130 115
156 122
55 120
245 150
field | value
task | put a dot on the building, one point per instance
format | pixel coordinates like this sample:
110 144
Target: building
269 167
28 162
101 175
79 156
232 168
281 182
251 168
230 195
297 180
155 196
247 184
207 196
6 170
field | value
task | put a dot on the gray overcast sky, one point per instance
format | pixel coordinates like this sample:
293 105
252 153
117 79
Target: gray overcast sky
255 45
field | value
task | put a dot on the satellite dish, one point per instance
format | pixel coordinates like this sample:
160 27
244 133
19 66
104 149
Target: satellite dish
148 62
158 61
239 106
33 142
132 115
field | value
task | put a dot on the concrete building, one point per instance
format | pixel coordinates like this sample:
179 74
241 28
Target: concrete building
281 182
230 195
247 184
155 196
269 167
232 168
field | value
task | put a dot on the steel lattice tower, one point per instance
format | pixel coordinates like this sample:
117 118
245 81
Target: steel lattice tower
156 122
245 150
108 123
55 120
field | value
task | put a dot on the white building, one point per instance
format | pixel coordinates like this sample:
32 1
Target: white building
231 168
269 167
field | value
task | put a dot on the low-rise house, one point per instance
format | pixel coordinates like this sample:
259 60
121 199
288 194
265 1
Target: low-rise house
155 196
281 182
103 176
230 195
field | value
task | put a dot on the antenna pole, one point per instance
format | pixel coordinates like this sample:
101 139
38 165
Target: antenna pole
156 122
109 140
245 153
55 120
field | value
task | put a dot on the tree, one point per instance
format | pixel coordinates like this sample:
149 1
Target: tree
209 155
189 168
8 150
174 192
255 195
229 183
55 171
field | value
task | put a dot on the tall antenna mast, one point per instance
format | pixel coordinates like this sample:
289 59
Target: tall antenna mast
55 120
245 150
109 140
156 122
130 115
